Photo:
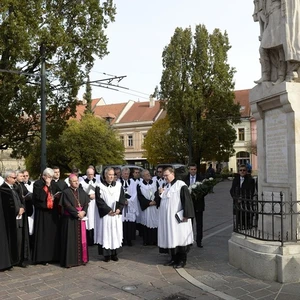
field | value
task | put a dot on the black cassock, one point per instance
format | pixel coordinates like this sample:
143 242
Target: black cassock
46 225
72 246
5 257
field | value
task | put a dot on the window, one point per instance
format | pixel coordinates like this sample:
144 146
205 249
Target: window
122 139
241 134
130 141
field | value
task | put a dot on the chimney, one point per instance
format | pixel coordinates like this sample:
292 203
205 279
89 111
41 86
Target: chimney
151 101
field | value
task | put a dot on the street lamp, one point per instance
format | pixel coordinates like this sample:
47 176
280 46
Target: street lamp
43 112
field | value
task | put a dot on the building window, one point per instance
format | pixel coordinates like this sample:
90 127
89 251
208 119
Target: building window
122 139
130 141
241 134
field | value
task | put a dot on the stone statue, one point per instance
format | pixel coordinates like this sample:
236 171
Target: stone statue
279 50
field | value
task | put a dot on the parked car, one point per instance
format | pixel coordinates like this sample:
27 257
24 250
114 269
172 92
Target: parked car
181 171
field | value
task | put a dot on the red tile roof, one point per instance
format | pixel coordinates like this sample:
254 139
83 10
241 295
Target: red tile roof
242 97
103 111
141 111
109 110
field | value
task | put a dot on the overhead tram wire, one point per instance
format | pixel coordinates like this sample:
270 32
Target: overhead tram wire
108 85
123 92
135 91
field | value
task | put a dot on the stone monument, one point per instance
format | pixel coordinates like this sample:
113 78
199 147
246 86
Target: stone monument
275 104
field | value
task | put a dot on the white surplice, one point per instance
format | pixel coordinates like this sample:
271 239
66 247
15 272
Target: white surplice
171 233
108 230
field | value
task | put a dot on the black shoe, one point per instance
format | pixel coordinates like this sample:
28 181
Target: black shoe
199 244
114 258
180 265
106 258
45 264
129 243
170 263
22 265
145 244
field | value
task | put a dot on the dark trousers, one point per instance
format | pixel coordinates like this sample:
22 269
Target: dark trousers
199 226
20 243
179 257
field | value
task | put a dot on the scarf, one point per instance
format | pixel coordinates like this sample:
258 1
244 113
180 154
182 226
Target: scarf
49 197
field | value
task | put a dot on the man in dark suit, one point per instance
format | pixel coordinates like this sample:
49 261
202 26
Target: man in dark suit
199 203
242 191
16 220
59 183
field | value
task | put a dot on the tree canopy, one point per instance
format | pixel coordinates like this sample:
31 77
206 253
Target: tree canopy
198 89
90 141
69 35
162 144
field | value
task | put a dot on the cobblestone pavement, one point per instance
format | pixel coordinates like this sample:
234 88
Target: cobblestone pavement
140 274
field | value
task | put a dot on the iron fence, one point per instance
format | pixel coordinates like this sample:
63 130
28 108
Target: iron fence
272 218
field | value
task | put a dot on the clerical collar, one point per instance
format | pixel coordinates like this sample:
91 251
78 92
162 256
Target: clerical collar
113 183
173 181
149 182
88 180
125 180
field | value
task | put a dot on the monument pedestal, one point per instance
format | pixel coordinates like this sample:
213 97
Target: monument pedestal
265 260
276 109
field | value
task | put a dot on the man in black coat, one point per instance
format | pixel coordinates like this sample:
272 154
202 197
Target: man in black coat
14 209
242 191
46 220
5 255
59 183
199 203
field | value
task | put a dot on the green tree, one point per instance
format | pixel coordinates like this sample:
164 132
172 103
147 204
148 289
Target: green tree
162 144
197 86
82 143
69 35
88 97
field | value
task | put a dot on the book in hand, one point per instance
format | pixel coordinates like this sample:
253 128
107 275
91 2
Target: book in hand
57 194
28 196
179 216
117 206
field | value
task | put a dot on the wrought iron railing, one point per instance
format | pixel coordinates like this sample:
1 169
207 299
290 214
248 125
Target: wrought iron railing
272 218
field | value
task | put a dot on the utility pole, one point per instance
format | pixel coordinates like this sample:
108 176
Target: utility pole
43 111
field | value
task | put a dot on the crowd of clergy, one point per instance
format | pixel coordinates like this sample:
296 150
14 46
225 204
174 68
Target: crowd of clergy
54 220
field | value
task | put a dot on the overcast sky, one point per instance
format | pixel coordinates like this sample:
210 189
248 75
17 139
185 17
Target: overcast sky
142 29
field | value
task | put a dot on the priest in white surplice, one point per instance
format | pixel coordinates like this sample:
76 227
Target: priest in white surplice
175 232
110 200
146 189
89 186
130 210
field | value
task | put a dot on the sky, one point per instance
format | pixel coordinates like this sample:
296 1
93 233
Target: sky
142 29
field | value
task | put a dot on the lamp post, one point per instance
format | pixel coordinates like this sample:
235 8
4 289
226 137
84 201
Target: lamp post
43 112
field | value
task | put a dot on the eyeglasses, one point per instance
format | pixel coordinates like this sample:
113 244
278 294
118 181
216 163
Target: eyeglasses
243 170
166 175
13 177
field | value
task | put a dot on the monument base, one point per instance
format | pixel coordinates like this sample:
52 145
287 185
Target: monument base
265 260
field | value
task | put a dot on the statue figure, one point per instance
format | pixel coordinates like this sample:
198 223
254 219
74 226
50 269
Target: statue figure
279 50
